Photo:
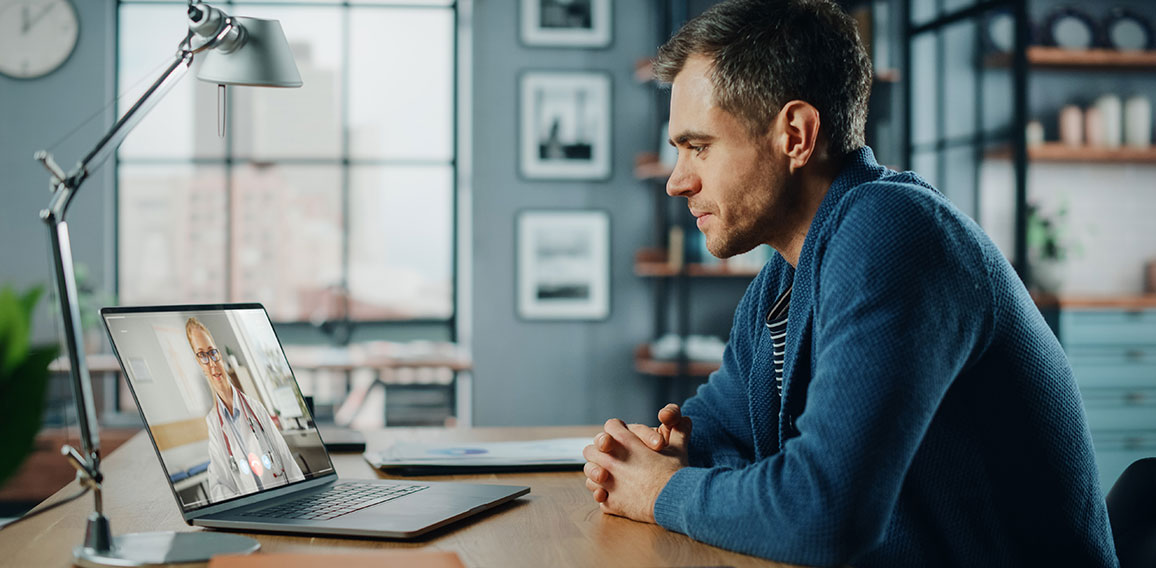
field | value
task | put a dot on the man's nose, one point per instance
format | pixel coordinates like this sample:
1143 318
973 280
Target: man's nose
682 180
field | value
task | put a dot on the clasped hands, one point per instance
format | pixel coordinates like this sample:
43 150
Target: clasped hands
628 464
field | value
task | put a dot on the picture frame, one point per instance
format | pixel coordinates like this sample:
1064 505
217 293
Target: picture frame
563 264
566 23
565 125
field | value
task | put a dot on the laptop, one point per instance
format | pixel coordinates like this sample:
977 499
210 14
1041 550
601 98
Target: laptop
237 443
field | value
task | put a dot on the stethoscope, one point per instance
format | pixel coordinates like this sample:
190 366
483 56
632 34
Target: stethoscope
249 416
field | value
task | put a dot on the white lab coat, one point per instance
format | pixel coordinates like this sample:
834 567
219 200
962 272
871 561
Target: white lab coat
224 480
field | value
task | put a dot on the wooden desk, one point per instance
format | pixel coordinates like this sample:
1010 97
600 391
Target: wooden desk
557 524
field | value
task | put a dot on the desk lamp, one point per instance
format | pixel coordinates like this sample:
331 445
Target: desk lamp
238 51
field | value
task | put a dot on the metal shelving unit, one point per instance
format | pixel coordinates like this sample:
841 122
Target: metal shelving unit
980 140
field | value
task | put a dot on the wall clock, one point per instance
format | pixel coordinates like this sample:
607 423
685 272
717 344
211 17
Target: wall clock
36 36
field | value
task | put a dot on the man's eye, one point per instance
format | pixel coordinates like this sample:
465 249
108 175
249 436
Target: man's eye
698 150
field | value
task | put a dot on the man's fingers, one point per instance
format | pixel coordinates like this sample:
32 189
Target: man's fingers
603 442
599 492
596 473
670 415
650 436
621 434
680 435
593 454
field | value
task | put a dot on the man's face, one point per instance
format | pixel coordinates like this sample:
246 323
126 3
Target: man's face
734 184
214 370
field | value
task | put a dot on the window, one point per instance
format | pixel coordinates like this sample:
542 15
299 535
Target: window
338 194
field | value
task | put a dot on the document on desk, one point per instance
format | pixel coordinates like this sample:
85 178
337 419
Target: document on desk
409 458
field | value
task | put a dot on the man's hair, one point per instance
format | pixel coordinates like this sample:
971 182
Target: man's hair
766 53
195 324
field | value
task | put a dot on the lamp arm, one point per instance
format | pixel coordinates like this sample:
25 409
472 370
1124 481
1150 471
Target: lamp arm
64 188
112 140
178 67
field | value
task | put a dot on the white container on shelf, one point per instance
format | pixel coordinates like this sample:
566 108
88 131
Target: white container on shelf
1094 134
1071 125
1113 116
1034 133
1138 122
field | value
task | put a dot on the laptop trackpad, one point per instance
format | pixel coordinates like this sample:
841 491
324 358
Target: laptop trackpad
416 510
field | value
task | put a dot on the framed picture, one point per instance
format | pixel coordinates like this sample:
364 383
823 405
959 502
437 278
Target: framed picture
566 23
565 130
563 264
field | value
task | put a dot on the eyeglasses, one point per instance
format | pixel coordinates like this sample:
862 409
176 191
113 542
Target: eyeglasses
205 357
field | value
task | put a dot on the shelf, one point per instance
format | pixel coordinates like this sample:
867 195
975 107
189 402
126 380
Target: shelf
647 167
1056 57
1077 302
1056 152
652 263
887 76
645 364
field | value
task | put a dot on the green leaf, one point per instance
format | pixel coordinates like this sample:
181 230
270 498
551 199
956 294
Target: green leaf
15 329
22 397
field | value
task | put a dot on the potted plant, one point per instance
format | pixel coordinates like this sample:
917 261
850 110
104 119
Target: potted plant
1049 247
23 378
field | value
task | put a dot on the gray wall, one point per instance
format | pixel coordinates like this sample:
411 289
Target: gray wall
531 372
40 114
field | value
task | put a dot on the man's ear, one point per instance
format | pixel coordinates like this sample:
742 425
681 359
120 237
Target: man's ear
798 133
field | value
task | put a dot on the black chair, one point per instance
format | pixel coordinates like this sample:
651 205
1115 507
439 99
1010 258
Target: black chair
1132 512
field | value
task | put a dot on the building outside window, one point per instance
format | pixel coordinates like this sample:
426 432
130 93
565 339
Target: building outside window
336 198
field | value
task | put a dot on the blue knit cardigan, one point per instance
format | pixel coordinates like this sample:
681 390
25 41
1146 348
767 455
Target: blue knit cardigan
929 416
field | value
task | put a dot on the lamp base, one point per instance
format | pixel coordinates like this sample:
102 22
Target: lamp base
164 548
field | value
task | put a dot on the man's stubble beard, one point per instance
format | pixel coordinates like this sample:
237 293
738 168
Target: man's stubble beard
770 210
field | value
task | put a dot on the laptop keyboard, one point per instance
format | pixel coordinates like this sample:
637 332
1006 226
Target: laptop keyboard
341 499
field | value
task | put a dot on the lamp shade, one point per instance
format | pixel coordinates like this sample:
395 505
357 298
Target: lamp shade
264 60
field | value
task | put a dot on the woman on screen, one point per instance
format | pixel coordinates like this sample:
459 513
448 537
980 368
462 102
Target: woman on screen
246 450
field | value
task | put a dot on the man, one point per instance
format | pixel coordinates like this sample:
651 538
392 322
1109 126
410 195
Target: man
246 450
889 395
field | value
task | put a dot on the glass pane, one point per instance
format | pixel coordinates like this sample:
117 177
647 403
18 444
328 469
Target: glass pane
950 6
925 94
923 11
286 238
400 247
998 102
183 123
294 123
926 164
959 179
959 96
997 203
171 234
401 107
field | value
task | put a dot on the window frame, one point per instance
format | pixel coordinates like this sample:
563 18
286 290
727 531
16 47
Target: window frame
346 329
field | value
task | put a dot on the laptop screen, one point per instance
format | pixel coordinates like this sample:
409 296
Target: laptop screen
218 397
